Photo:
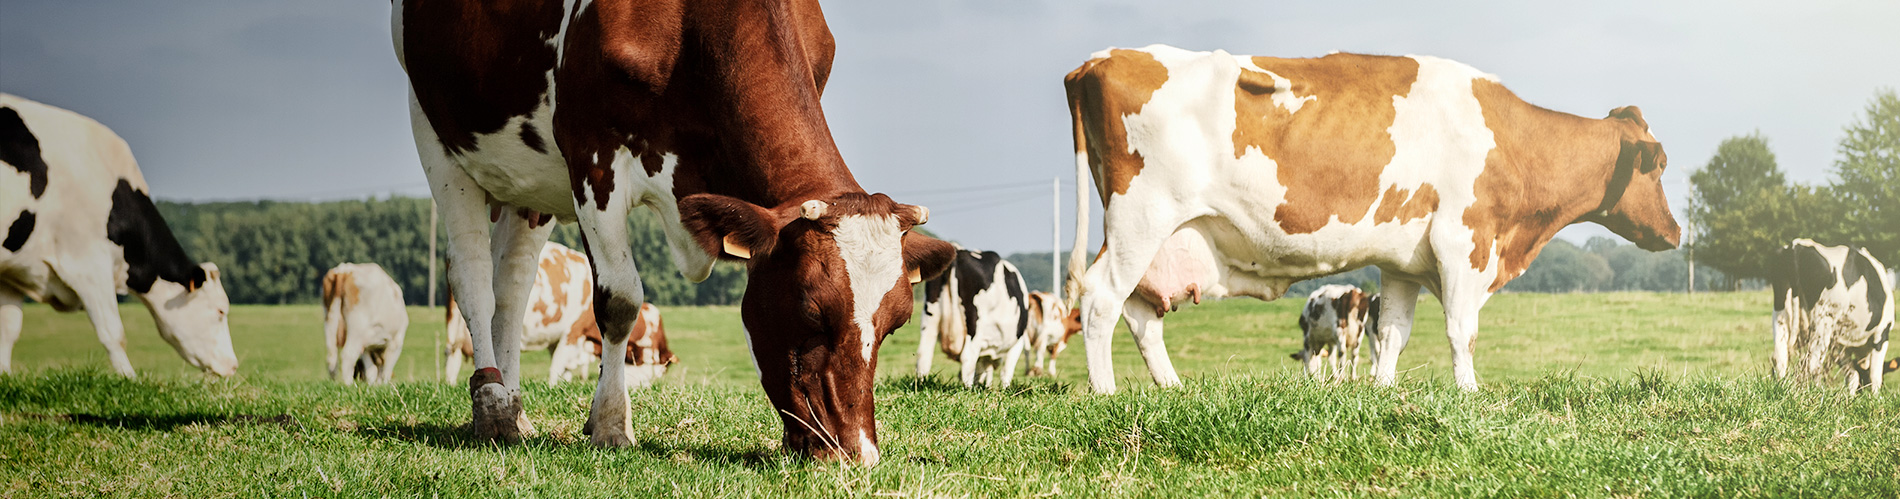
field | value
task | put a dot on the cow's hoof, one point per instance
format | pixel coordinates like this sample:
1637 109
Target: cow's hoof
496 410
610 441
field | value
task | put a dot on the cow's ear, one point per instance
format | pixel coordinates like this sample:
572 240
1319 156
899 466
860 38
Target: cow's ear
926 257
1640 152
729 228
1631 114
642 38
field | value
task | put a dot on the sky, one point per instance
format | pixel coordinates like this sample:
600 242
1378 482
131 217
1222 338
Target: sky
956 105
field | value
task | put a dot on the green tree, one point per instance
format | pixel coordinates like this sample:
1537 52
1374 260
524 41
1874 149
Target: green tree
1867 179
1744 210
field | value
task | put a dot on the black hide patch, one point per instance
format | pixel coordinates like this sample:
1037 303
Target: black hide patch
975 272
151 253
21 229
532 138
18 147
1859 268
1806 271
1013 284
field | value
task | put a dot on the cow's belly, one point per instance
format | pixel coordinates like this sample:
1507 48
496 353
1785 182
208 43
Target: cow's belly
1214 257
515 172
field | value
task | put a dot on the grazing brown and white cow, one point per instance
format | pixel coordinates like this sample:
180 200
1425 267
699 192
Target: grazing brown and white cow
1050 325
706 112
1331 325
80 230
560 319
364 322
1833 314
1224 175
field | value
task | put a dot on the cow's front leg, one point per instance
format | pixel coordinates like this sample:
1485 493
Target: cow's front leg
1781 327
969 363
926 343
1146 326
1010 359
1875 369
1395 328
617 296
12 319
1464 296
102 307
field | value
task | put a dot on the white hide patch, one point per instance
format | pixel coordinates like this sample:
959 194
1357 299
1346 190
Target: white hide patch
1282 87
873 253
867 451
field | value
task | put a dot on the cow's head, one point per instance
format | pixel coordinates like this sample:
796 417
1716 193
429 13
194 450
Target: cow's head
827 280
1633 203
192 317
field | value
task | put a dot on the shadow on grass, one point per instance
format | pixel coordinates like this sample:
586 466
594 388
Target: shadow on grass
168 422
1022 386
458 437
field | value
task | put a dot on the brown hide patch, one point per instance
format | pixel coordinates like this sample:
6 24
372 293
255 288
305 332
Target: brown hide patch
1331 152
555 268
339 289
474 65
1548 169
1402 205
1101 92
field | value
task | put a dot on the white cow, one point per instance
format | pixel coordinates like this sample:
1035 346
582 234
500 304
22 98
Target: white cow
560 319
363 322
1833 313
80 230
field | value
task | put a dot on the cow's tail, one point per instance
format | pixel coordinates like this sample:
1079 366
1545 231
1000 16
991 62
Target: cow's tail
1072 290
333 328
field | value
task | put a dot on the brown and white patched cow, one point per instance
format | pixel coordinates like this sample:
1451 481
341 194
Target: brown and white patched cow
706 112
364 322
1224 175
560 320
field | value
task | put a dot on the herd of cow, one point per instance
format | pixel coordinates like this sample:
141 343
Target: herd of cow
1220 176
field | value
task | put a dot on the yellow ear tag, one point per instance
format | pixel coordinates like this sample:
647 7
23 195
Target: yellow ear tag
735 249
916 276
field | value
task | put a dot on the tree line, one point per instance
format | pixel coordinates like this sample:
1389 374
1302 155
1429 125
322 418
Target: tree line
275 252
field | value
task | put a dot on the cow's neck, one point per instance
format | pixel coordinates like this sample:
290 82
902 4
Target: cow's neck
772 114
1549 170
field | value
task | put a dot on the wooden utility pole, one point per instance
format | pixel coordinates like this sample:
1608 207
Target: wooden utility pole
1689 236
1055 238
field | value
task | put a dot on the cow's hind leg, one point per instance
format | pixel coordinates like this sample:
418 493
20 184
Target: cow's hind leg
617 298
12 319
463 206
1010 359
1146 326
516 246
390 356
1395 328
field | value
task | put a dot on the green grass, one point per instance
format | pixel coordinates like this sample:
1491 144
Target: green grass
1584 395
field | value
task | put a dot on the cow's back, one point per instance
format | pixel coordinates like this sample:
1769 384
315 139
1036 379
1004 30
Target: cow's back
58 193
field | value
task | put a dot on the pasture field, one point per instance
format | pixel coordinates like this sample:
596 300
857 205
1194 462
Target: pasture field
1622 394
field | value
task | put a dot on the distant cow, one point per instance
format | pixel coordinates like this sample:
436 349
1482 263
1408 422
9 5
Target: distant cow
1833 314
1051 323
363 322
1333 322
1224 175
977 313
80 230
560 319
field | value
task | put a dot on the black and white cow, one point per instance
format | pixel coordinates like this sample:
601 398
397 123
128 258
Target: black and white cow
1833 308
80 231
978 314
1334 321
